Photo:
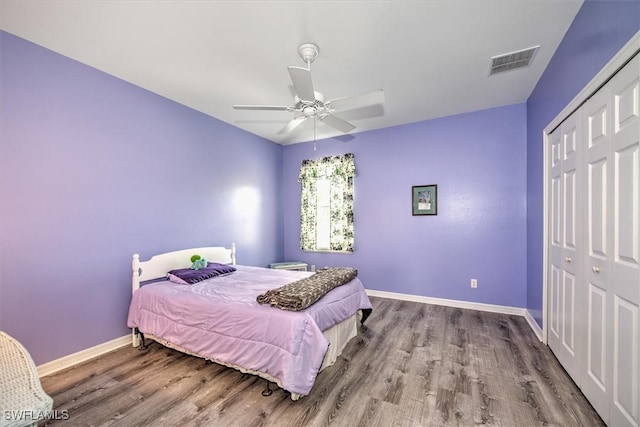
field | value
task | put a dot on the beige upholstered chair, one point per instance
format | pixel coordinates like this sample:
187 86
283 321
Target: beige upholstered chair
22 399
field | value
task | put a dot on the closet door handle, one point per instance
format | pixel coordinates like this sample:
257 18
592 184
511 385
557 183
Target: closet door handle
568 259
595 269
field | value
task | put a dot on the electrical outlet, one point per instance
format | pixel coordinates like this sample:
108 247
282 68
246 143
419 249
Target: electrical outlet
474 283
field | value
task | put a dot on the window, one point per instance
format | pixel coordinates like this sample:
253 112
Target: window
326 217
323 213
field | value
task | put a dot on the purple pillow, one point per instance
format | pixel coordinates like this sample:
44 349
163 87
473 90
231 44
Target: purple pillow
187 276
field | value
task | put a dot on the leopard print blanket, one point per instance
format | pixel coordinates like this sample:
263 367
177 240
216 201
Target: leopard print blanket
303 293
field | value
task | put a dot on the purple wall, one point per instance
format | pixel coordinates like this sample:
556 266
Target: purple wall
93 169
478 162
598 32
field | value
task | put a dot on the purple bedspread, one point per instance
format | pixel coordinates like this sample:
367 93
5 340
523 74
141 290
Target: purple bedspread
220 318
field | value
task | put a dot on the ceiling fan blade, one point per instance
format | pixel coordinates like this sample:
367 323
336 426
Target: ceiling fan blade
301 78
263 107
337 123
292 124
357 101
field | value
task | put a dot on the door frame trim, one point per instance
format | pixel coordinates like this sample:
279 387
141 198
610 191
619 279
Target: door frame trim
618 60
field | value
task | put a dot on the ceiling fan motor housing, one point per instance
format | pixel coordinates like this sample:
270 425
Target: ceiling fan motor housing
315 105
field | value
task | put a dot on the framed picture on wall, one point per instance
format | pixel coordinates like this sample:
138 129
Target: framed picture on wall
424 199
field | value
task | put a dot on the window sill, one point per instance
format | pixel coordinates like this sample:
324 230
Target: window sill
320 251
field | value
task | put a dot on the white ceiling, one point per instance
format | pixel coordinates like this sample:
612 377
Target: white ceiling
431 58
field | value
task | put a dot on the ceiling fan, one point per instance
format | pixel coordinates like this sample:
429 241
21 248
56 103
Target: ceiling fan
311 103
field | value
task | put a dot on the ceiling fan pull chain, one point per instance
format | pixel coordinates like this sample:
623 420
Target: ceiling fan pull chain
315 117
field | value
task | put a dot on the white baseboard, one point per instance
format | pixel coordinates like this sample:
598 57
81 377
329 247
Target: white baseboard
533 324
502 309
82 356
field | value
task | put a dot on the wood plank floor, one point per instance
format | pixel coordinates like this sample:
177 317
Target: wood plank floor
412 365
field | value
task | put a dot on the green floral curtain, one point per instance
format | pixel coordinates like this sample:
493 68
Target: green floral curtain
340 170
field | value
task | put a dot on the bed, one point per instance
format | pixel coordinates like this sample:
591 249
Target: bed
219 318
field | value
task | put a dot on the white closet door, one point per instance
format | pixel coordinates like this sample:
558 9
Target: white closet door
596 383
565 304
612 265
555 239
624 265
594 275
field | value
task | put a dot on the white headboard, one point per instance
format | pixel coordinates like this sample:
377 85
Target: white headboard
160 264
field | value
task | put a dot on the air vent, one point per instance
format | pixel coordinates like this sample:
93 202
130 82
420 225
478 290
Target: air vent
512 61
